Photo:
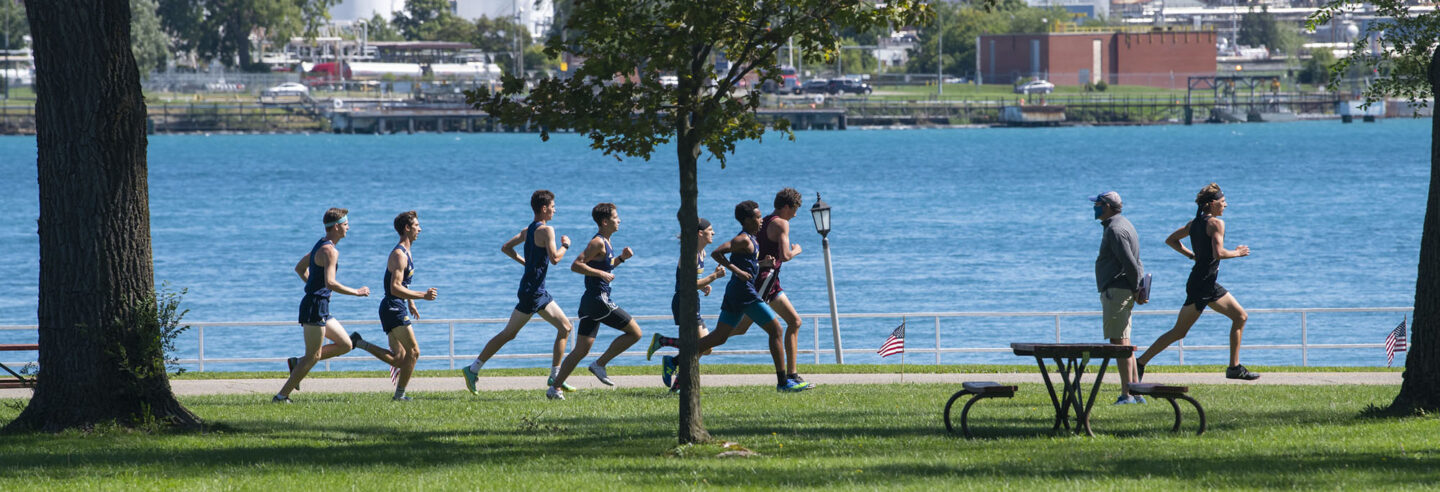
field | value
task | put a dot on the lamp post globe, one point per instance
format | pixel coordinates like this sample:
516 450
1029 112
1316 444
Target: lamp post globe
820 212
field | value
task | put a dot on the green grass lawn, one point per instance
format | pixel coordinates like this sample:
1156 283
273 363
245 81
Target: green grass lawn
851 437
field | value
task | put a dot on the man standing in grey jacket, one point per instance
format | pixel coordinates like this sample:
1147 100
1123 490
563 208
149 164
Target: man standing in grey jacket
1117 276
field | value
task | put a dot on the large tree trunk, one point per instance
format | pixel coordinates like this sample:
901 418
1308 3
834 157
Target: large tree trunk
101 358
1421 387
692 426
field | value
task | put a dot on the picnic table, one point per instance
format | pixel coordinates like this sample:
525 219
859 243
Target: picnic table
1071 360
17 380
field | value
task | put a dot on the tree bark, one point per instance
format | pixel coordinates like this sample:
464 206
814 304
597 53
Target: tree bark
1421 387
692 425
101 358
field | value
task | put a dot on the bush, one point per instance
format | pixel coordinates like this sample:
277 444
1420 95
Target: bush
1101 86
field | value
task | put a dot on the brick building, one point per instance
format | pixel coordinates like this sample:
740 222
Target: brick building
1153 58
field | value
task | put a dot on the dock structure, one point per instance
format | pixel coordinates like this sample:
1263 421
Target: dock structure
366 117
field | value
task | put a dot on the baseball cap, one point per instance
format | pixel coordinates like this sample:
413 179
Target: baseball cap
1110 198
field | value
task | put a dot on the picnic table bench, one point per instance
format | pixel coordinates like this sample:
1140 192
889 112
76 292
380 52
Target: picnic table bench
17 380
1071 359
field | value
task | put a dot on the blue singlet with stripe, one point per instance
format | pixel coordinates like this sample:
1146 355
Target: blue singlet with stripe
537 262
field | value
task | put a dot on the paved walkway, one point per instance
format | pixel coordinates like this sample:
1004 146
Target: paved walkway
586 381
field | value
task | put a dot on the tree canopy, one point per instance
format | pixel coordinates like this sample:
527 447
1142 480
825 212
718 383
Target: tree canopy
961 23
615 97
221 29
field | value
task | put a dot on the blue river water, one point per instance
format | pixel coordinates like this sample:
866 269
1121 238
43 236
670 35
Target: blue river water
992 220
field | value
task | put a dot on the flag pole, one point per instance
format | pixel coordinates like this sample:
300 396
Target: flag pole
902 355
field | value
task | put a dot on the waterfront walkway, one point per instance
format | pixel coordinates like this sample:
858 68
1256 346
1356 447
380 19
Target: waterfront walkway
586 382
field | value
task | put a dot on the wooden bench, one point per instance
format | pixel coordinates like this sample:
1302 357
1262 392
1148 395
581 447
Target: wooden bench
17 380
981 390
1170 393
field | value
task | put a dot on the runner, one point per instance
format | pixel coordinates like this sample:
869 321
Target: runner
1207 237
540 252
403 352
596 263
774 239
706 235
317 269
741 299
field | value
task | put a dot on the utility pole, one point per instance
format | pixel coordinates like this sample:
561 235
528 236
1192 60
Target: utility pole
940 58
5 72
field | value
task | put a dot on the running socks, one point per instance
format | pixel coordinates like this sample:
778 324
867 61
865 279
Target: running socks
781 376
475 366
399 392
554 371
669 342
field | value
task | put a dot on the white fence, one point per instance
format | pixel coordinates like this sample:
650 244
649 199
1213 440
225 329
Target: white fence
914 346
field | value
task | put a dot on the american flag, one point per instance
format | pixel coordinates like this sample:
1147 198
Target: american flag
895 344
394 375
1395 342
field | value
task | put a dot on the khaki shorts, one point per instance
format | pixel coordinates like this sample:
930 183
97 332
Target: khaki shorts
1116 304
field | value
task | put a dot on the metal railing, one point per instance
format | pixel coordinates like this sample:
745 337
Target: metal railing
913 320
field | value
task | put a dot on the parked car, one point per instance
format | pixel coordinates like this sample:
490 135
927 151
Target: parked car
815 86
286 89
1035 87
848 86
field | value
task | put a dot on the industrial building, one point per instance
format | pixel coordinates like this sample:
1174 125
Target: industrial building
1075 56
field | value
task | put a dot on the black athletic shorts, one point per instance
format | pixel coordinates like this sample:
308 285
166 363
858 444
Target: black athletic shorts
595 310
314 310
394 313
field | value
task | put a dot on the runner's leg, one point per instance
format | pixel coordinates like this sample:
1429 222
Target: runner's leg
314 336
551 313
1230 307
1183 322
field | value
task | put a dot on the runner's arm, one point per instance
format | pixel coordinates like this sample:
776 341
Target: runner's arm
330 257
509 247
592 251
396 268
625 254
1174 241
1217 241
787 250
301 270
545 236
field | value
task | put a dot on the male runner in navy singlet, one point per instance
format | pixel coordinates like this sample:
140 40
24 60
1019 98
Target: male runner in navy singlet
317 269
596 263
399 270
540 252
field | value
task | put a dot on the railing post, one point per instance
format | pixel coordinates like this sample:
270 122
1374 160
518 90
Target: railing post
1304 341
816 323
1181 345
202 348
1057 328
937 340
452 344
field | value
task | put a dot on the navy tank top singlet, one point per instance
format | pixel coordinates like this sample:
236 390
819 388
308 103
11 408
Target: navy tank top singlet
537 261
744 290
594 286
315 281
404 281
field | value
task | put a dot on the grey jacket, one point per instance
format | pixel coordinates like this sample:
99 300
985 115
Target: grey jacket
1118 264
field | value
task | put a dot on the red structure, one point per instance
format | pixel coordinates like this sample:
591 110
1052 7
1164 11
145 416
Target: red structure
1154 58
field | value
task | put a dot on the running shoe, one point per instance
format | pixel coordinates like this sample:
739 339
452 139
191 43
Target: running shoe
675 388
654 346
401 398
280 399
790 386
1240 372
599 372
292 362
1139 372
564 386
668 370
797 378
555 393
355 339
1140 399
1126 400
470 377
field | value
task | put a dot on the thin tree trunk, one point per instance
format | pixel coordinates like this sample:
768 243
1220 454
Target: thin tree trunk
692 425
1421 387
100 354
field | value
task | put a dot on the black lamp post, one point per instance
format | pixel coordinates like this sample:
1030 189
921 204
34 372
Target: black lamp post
820 212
